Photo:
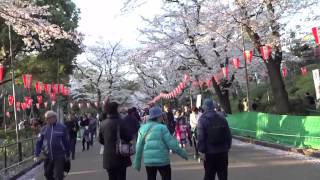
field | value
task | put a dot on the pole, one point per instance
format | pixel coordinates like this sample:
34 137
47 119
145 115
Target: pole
13 86
246 70
4 111
58 80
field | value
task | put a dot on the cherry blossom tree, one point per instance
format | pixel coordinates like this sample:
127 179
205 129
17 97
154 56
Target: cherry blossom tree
103 74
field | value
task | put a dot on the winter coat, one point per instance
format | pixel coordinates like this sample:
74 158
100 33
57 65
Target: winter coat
73 128
55 139
108 137
194 119
182 130
155 146
213 119
133 124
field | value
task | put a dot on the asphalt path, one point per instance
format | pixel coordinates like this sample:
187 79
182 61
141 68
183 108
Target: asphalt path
246 162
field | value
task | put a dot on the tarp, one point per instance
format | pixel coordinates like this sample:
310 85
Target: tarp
295 131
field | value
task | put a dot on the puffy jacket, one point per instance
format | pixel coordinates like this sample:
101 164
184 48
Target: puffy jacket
155 147
206 120
55 139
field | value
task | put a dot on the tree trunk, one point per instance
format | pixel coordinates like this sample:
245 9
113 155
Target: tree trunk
99 108
280 95
222 97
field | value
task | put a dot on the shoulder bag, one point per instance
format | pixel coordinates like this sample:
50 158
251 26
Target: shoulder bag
124 148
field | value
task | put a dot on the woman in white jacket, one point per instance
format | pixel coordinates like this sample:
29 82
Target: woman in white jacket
194 119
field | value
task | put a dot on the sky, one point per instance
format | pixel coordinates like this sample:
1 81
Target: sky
101 20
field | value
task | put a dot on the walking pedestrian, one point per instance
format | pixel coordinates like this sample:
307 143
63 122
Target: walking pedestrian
54 139
169 119
214 141
93 123
181 130
154 142
194 119
114 162
73 128
86 139
132 122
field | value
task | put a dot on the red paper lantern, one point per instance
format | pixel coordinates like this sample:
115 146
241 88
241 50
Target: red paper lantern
38 85
27 80
39 99
316 35
47 88
23 106
53 96
225 71
1 72
54 88
10 100
304 71
30 101
284 72
18 106
26 99
248 55
236 63
265 52
61 88
8 114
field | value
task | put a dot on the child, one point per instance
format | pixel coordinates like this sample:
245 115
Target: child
86 138
182 132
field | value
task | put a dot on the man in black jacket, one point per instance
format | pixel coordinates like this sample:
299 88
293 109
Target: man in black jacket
214 141
73 128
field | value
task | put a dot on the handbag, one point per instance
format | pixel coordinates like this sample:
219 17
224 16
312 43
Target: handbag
124 148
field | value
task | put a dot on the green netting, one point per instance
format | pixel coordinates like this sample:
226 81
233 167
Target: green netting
297 131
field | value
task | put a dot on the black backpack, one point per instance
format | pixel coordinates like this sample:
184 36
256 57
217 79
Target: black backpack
217 131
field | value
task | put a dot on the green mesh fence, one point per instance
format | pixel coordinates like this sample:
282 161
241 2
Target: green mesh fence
296 131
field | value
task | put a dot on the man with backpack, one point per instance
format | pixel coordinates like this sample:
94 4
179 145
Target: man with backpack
214 142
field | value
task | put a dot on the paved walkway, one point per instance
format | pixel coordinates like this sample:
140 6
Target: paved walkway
247 162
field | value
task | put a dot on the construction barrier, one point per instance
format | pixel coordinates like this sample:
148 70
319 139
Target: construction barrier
295 131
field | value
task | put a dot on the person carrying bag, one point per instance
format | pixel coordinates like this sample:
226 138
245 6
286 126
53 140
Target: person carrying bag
114 135
154 142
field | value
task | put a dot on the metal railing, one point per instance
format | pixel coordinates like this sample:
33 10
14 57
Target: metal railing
15 153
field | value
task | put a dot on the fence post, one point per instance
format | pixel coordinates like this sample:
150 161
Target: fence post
20 151
5 157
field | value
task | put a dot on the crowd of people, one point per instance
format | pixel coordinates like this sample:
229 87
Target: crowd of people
150 135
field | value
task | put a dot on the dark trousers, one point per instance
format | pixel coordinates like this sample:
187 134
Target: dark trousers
216 164
54 169
92 135
165 172
73 142
194 140
117 173
84 143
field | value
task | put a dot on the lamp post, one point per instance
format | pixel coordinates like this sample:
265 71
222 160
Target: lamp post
13 85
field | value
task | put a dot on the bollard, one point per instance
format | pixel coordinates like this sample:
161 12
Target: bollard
20 151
